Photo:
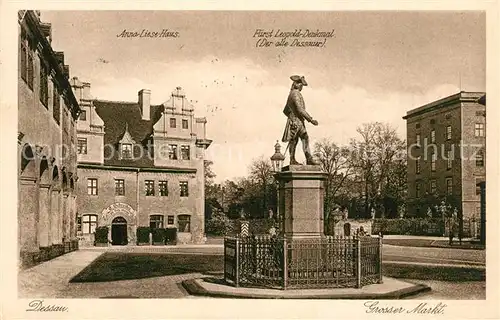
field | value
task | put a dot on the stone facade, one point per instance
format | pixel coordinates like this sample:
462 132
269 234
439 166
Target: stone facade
459 126
127 185
47 113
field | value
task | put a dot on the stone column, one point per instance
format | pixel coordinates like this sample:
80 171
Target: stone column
54 216
44 219
28 215
72 223
65 216
301 201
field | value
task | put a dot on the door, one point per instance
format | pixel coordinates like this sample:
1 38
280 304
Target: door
119 231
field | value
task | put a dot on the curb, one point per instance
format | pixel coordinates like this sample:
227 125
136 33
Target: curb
193 288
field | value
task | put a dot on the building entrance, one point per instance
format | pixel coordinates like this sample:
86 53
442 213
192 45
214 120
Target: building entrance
119 231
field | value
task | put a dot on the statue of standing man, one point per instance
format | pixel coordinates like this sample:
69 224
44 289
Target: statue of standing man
295 128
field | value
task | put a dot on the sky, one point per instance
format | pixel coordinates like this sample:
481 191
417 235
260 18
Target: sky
375 67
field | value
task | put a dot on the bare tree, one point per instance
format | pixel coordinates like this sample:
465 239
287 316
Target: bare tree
336 163
376 157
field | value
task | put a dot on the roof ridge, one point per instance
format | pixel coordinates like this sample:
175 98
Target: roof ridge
124 102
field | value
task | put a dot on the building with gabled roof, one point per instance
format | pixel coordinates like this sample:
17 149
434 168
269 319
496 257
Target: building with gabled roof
140 165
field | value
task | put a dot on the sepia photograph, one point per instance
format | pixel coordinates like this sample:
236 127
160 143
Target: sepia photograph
253 154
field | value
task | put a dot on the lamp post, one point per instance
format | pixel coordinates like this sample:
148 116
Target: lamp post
277 163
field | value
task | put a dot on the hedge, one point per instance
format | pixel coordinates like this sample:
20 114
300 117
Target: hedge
143 234
101 234
171 236
158 235
409 226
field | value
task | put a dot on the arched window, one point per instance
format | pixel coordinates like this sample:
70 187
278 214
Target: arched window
89 223
184 223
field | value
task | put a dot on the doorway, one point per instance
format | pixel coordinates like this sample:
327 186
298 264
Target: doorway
119 231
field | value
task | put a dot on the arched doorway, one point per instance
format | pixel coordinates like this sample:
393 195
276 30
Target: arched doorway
119 231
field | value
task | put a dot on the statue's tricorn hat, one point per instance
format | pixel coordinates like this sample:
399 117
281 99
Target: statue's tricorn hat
300 79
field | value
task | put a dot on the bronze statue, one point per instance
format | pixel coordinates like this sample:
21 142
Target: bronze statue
295 128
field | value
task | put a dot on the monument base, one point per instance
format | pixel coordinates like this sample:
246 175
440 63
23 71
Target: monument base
301 201
390 289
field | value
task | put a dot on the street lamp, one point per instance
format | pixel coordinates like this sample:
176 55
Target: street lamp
277 163
277 158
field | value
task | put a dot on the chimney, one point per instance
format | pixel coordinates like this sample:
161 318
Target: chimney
46 29
60 57
86 91
145 103
66 71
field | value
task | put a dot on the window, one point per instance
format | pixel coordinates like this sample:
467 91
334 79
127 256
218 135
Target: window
433 187
478 180
92 186
479 129
56 104
82 145
417 190
449 186
417 139
448 133
433 162
173 123
89 223
480 158
170 220
172 151
149 187
163 187
126 151
31 70
417 125
185 124
44 85
417 165
27 69
185 153
24 56
83 115
156 221
449 160
119 187
184 188
433 136
184 223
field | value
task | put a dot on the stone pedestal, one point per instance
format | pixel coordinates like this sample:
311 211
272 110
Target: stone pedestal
301 201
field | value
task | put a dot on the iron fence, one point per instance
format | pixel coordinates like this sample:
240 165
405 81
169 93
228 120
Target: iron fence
330 262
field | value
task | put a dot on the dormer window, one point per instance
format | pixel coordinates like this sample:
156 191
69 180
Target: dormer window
126 151
126 145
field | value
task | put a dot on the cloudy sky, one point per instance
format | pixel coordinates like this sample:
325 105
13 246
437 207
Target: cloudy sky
375 68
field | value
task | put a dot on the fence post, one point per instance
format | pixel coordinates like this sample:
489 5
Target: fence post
358 262
380 243
285 263
237 267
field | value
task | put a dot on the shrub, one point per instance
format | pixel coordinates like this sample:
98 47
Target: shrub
409 226
170 235
101 234
158 235
218 225
143 234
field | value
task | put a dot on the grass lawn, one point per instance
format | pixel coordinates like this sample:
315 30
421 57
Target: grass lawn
432 243
112 266
439 273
